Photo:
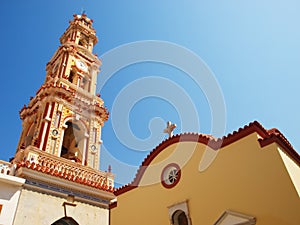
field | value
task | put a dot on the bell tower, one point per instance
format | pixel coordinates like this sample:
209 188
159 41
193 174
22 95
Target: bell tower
65 117
59 147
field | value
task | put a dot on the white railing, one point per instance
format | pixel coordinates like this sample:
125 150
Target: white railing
6 168
39 160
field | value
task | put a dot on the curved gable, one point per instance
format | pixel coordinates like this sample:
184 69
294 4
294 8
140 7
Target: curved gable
265 137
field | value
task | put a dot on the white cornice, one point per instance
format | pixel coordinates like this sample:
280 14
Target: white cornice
16 181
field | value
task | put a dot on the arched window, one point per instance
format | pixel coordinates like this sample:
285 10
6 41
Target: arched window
179 218
73 142
71 76
179 214
82 42
29 135
65 221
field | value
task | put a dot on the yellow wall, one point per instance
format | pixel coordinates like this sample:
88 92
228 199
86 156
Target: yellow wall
243 177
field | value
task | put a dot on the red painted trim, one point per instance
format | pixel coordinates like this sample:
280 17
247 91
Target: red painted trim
74 36
214 144
85 57
61 65
87 153
65 67
41 132
46 137
46 110
52 110
48 128
29 128
287 148
113 205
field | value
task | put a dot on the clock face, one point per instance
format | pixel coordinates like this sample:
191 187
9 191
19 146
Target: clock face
93 147
55 132
81 65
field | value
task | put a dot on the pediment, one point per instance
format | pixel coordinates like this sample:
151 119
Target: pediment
235 218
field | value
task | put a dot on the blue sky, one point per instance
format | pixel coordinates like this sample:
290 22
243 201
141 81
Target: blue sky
252 49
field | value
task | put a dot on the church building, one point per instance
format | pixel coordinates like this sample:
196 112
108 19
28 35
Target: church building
251 176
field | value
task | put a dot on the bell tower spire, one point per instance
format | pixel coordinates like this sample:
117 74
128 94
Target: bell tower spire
80 32
65 117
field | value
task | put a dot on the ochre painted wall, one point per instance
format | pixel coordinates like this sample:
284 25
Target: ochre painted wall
243 177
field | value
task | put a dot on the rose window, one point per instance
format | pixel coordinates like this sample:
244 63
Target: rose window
170 175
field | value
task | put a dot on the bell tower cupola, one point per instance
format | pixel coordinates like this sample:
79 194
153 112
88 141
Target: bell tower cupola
80 32
65 117
74 64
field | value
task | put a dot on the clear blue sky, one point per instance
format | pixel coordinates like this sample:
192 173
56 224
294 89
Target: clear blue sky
251 47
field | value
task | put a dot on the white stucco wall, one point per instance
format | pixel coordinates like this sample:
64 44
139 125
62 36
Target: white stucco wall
44 209
10 188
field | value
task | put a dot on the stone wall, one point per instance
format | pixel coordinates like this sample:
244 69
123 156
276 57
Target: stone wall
45 209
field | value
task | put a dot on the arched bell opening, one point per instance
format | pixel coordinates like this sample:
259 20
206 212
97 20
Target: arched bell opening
85 83
74 142
71 76
29 135
83 42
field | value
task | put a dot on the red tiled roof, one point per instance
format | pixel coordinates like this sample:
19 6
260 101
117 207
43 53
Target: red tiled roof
267 137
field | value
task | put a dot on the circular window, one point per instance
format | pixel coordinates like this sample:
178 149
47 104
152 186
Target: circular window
170 175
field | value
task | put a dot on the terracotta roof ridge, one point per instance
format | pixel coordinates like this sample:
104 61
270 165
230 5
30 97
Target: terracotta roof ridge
279 134
276 136
266 137
251 127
